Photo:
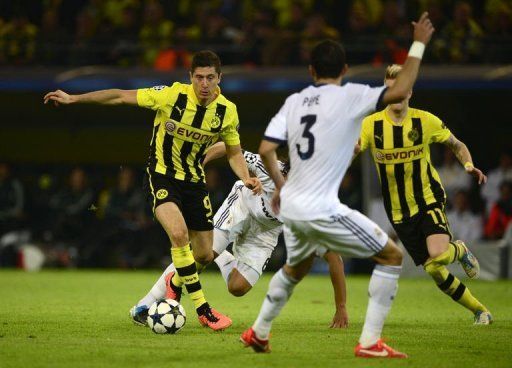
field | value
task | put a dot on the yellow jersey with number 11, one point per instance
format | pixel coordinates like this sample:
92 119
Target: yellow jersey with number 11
401 152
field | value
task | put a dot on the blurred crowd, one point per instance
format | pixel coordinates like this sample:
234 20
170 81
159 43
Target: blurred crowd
163 34
86 218
95 218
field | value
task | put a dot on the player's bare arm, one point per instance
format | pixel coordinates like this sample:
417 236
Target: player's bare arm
103 97
461 151
267 152
268 155
216 151
337 273
423 30
237 162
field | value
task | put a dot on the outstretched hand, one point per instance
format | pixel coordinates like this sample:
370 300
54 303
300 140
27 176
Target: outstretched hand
58 97
477 173
423 29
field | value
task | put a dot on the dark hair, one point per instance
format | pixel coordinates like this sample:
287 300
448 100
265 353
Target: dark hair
328 59
205 58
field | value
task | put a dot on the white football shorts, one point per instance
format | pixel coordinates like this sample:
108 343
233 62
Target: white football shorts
351 234
253 241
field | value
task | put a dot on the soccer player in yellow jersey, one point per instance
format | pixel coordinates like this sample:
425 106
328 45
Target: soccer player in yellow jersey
189 119
399 137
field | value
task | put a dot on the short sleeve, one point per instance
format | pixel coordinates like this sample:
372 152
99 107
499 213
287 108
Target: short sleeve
366 99
254 163
153 98
229 132
439 132
365 134
276 130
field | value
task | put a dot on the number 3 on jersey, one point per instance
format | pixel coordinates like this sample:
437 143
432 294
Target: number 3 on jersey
308 120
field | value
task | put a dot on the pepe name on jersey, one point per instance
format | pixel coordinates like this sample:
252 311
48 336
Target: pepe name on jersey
310 101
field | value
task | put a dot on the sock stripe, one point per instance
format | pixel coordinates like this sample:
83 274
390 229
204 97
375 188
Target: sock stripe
385 274
459 292
370 238
187 273
447 283
192 288
187 270
389 269
225 214
362 235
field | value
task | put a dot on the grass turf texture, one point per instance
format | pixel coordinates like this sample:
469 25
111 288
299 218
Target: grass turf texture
80 319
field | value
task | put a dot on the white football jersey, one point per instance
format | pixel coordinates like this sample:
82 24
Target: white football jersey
321 125
259 205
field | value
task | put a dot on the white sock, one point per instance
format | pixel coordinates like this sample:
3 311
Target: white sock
382 290
279 291
226 263
157 292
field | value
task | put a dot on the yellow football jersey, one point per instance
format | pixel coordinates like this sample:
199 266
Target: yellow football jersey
401 153
183 129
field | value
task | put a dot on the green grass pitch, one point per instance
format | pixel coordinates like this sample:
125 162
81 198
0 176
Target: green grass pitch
80 319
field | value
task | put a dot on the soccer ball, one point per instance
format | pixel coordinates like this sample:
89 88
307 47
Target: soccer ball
166 316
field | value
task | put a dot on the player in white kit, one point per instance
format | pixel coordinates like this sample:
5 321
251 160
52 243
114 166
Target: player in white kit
247 221
321 124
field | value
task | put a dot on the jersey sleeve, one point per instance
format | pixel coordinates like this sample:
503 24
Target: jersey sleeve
366 99
365 134
254 163
153 98
276 130
229 132
439 133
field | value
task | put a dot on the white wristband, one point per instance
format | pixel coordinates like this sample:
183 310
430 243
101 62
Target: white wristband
417 49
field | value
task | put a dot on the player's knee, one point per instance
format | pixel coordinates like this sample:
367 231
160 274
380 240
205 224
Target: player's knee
238 287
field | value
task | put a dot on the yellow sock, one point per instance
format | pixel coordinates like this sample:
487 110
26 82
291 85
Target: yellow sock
452 254
452 286
187 273
458 250
176 280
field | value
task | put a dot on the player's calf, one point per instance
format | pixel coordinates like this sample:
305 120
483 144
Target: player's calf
203 260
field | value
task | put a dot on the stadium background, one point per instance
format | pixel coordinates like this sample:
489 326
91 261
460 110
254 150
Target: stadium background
85 45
